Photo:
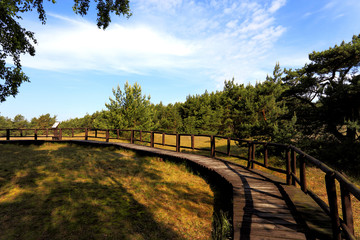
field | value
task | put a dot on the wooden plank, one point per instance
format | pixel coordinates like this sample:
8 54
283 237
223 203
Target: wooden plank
274 219
292 228
276 234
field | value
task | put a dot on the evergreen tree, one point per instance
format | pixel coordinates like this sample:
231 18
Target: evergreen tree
19 121
5 123
43 121
130 109
99 120
257 112
202 113
167 118
325 93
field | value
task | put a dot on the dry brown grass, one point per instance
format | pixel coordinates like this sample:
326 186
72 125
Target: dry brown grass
315 177
59 191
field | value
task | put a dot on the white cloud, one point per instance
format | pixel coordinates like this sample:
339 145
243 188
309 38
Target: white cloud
81 45
308 14
329 5
276 5
339 16
335 9
231 9
223 39
232 24
164 5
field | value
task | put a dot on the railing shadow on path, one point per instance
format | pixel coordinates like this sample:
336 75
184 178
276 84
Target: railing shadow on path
251 211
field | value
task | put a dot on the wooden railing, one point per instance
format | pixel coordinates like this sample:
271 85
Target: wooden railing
293 157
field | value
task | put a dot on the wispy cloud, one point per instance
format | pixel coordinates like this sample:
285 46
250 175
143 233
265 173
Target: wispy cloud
80 45
329 5
334 9
276 5
223 39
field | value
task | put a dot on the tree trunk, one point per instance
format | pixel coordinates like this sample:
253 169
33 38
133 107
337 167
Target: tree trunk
351 134
332 129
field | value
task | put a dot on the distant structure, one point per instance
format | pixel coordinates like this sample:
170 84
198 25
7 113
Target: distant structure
55 126
56 132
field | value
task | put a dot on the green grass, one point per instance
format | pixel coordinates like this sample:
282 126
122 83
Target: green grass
58 191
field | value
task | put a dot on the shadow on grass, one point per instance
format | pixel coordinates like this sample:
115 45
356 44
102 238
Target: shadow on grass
48 195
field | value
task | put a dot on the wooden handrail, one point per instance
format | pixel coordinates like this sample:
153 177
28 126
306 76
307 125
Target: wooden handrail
292 153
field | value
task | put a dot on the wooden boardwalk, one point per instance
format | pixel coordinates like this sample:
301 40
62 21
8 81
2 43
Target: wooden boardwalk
262 206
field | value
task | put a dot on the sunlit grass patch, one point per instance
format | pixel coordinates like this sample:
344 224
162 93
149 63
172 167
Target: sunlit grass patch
58 191
316 182
315 177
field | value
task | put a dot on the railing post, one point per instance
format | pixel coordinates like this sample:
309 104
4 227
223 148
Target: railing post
132 136
212 139
266 159
249 154
117 133
163 139
288 166
140 135
47 132
346 208
72 132
86 134
253 156
293 166
332 198
152 139
178 142
95 133
303 174
21 133
60 134
55 134
228 146
107 135
35 134
8 134
192 142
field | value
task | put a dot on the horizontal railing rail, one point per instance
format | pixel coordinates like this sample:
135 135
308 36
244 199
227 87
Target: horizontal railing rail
294 158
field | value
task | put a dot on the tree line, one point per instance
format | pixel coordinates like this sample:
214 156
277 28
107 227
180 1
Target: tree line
20 122
239 110
316 107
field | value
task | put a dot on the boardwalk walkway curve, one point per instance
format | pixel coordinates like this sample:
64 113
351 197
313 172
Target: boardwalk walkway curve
260 207
264 207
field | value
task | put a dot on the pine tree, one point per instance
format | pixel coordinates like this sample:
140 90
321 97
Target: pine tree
130 109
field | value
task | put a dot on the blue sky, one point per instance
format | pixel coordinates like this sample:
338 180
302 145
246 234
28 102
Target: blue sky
172 48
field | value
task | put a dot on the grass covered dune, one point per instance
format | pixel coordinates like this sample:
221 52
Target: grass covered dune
61 191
